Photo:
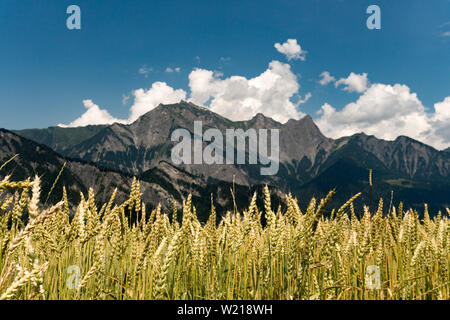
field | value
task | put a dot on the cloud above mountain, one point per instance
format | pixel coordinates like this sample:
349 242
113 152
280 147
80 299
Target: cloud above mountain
239 98
384 110
354 82
291 49
93 115
388 111
326 78
146 100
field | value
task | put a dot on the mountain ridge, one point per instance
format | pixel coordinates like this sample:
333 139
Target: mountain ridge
305 153
38 159
164 184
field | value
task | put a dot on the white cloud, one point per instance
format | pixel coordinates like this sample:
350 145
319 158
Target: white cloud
125 99
442 110
93 115
440 133
326 78
146 100
291 49
239 98
170 70
354 82
145 70
305 99
387 112
383 110
445 34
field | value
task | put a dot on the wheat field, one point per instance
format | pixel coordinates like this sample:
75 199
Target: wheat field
121 251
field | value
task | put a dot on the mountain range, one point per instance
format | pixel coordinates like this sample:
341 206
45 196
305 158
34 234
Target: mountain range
164 184
310 163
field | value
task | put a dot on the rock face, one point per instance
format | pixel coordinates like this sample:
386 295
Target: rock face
163 184
404 166
77 176
140 146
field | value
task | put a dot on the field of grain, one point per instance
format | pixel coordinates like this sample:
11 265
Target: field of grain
121 251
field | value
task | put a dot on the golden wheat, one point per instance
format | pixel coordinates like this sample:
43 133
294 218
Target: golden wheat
295 255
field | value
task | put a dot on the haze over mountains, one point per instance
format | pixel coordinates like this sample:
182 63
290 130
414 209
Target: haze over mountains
310 163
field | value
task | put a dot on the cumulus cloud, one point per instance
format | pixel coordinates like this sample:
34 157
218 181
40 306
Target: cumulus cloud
440 133
93 115
326 78
354 82
291 49
383 110
146 100
442 110
170 70
387 112
239 98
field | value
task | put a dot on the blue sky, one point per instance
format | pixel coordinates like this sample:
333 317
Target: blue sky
46 70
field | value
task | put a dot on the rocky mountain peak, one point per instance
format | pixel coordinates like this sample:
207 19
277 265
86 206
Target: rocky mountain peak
304 152
306 127
260 121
